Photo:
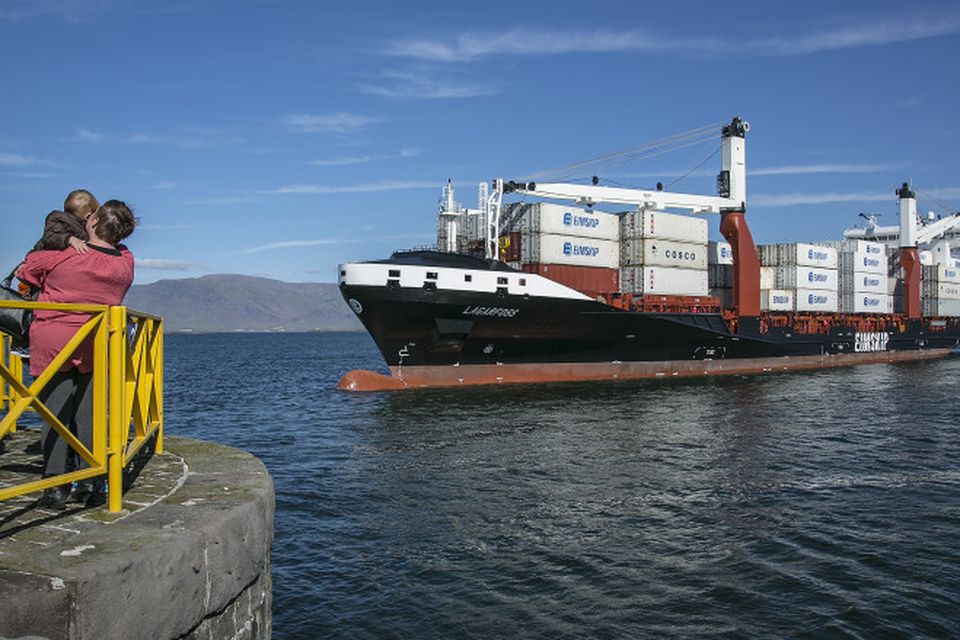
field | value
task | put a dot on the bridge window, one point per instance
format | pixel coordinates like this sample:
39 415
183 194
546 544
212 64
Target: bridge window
394 273
467 277
431 275
523 282
501 281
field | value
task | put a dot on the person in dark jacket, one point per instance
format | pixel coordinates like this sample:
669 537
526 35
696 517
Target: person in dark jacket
67 228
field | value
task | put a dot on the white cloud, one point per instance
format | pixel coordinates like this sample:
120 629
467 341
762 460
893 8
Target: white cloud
370 187
160 264
423 85
339 122
351 160
186 139
291 244
17 160
823 168
791 199
86 135
521 41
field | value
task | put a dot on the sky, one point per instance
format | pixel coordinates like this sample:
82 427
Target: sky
281 138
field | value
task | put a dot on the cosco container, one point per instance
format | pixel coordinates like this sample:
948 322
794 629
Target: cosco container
815 300
719 253
662 253
941 290
860 282
544 217
663 280
866 303
799 254
776 300
795 277
666 226
557 249
864 262
940 308
940 273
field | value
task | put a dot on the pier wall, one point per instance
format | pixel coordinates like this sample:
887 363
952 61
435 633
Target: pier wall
188 558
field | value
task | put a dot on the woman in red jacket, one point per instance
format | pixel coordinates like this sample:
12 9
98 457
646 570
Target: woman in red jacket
101 275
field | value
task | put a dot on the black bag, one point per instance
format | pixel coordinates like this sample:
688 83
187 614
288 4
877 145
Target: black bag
15 322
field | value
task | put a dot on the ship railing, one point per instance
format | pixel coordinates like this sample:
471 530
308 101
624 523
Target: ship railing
127 383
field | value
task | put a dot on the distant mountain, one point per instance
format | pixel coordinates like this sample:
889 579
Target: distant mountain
219 303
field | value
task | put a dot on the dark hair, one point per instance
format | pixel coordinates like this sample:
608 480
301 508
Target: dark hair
115 221
80 203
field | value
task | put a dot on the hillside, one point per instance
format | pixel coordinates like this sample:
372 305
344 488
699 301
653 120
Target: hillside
217 303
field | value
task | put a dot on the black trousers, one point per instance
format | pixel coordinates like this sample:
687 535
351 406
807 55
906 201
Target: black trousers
69 396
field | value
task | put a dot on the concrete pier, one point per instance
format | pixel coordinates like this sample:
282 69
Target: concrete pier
188 558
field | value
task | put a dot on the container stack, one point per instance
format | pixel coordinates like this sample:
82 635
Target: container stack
863 270
940 291
576 247
663 254
804 278
720 272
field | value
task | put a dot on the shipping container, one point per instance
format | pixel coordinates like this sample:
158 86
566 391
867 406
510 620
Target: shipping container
663 280
940 273
798 254
666 226
856 246
720 276
582 252
864 262
544 217
797 277
940 290
724 295
940 307
719 253
926 258
860 282
655 252
768 277
865 303
588 280
776 300
815 300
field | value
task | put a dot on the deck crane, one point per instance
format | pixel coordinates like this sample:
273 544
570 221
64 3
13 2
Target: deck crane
730 203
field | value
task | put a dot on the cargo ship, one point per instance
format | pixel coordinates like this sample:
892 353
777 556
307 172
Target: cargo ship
544 292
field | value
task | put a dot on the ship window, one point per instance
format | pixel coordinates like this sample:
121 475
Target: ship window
394 273
501 281
467 277
431 275
523 282
343 274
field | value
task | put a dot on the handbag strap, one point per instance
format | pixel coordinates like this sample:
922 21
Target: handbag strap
9 279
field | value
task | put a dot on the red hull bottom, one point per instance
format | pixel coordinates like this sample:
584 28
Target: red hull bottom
412 377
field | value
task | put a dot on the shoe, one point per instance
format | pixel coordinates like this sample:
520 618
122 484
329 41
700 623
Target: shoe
92 493
81 490
55 498
96 499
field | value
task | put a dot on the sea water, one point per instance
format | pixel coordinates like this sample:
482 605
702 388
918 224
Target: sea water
802 505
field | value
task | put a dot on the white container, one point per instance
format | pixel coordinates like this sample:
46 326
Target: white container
796 277
864 262
815 300
776 300
768 277
558 249
719 253
545 217
857 246
940 273
940 308
800 254
663 253
866 303
663 281
860 282
666 226
941 290
720 276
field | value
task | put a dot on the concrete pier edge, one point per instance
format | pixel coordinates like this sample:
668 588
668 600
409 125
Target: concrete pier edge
187 559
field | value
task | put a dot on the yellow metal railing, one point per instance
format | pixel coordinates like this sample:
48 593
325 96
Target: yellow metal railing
127 393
